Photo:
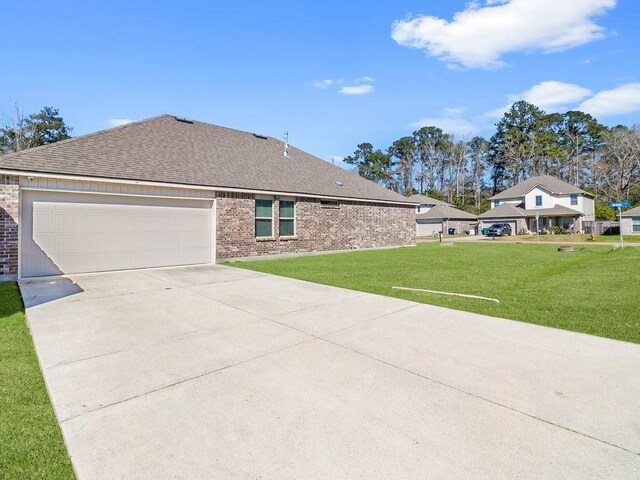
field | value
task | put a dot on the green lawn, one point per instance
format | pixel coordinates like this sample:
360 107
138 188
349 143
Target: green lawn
573 238
31 445
592 290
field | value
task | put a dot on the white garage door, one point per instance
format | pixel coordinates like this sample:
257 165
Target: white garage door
427 229
65 233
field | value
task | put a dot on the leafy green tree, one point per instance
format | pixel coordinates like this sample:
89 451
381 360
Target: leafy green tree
372 164
522 138
42 128
604 212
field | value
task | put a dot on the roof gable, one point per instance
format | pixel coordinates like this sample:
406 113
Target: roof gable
632 212
169 150
504 210
445 212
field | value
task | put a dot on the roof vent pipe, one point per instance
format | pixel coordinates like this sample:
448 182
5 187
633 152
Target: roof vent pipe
286 144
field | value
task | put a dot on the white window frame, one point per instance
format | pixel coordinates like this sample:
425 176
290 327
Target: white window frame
573 198
295 222
256 218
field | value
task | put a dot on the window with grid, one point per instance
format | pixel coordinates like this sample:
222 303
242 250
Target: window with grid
287 218
538 200
574 199
636 224
264 218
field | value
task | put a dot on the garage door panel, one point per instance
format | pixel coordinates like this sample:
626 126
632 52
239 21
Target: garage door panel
75 233
427 229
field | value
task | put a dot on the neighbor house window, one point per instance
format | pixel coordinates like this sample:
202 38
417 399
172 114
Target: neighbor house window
287 218
264 218
496 203
636 224
574 199
538 200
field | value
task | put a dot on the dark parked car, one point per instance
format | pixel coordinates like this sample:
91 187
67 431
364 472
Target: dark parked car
499 230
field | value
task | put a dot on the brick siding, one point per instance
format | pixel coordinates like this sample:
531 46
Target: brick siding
9 225
318 228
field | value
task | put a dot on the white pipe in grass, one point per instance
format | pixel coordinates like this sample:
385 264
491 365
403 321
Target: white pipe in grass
477 297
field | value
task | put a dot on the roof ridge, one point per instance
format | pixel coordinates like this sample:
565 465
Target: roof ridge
81 137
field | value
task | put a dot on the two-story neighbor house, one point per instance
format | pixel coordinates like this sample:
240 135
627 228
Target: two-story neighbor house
540 203
438 216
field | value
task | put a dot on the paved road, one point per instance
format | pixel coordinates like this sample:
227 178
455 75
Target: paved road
215 372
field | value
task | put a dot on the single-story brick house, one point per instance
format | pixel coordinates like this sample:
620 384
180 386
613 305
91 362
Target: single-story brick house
170 191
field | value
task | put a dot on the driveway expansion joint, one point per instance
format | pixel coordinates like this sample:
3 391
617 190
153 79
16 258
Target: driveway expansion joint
485 399
185 380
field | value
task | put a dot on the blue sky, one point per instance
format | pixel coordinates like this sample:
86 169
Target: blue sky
332 73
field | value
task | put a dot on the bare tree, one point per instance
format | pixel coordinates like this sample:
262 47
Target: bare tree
618 168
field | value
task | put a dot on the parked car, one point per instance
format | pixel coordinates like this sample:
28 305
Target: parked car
499 230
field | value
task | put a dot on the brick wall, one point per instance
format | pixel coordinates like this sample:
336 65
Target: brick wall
8 225
318 228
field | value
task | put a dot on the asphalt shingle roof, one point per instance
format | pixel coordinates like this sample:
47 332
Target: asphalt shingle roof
548 182
425 200
445 211
165 149
509 210
504 210
632 212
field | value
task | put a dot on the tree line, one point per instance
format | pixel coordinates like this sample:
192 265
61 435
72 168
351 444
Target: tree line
465 172
37 129
572 146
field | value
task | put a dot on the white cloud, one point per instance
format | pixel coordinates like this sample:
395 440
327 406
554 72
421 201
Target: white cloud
450 122
452 111
479 36
323 83
356 89
617 101
117 122
551 96
360 85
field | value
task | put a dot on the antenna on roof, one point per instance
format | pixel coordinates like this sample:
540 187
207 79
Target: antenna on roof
286 144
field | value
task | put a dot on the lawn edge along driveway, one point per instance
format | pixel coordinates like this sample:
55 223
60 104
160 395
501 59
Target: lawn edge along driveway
31 444
591 290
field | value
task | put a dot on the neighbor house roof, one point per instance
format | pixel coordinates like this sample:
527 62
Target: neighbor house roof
445 212
425 200
633 212
554 211
509 210
167 149
504 210
552 184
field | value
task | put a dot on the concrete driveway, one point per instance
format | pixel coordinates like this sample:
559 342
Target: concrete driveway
215 372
